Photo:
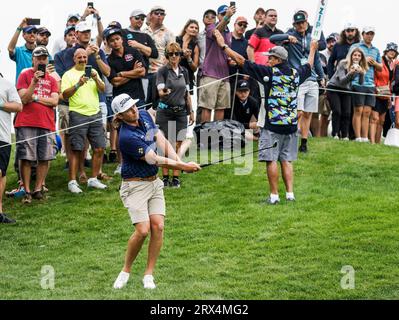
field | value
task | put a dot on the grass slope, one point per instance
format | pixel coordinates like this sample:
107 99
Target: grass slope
221 242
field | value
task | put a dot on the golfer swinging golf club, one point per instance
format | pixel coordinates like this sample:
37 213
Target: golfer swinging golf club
278 117
142 191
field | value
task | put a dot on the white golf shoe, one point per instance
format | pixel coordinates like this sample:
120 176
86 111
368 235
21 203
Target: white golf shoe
122 280
148 282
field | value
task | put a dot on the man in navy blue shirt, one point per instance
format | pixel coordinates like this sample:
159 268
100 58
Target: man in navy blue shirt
141 190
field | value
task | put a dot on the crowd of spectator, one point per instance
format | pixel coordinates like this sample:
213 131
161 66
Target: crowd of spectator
351 83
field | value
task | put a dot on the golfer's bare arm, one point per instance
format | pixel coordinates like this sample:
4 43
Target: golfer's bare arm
164 145
153 159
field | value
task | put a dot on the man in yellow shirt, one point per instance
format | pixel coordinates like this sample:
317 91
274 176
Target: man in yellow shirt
85 118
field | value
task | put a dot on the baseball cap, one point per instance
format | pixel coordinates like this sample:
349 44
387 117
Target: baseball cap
68 29
82 27
349 25
278 52
299 17
243 85
43 30
115 24
29 29
332 36
157 8
40 51
368 29
122 103
241 19
210 11
392 46
222 9
111 31
73 15
138 12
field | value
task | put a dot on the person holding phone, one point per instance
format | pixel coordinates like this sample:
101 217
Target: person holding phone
85 118
215 95
39 95
174 106
22 56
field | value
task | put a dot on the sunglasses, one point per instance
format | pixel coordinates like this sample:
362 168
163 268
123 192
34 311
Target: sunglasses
176 54
350 30
158 13
140 18
242 25
31 32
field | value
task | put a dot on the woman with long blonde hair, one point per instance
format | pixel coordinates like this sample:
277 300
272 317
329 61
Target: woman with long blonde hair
361 115
339 88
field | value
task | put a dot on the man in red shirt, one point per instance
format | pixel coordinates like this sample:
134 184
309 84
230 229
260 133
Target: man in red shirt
35 125
259 43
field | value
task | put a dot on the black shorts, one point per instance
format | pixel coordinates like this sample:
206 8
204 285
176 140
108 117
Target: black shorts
172 124
381 106
5 153
364 100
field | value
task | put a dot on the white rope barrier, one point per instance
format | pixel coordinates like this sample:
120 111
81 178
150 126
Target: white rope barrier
192 90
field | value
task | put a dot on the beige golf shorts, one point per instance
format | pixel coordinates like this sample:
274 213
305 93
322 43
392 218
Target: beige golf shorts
143 199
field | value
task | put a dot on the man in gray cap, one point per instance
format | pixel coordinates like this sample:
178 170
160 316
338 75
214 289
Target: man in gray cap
278 115
60 43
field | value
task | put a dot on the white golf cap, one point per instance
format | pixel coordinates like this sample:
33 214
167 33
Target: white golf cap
137 12
349 25
82 27
368 29
122 103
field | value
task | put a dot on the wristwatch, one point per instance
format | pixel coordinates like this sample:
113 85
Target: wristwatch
225 47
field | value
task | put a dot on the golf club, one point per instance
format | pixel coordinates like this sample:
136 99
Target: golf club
242 155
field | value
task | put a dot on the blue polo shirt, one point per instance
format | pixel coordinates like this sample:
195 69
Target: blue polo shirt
368 52
23 59
135 143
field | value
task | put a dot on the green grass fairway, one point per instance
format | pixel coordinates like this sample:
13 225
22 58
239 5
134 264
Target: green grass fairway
221 241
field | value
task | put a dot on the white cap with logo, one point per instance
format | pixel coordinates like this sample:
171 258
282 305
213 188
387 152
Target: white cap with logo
368 29
82 26
122 103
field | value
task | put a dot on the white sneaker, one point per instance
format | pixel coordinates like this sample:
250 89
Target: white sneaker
359 140
95 183
122 280
346 139
73 187
148 282
336 137
118 170
366 140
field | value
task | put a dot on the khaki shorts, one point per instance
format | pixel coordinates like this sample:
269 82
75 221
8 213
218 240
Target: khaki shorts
215 96
143 199
63 115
